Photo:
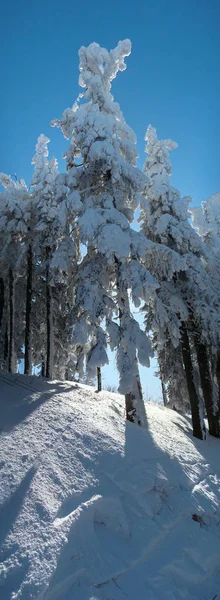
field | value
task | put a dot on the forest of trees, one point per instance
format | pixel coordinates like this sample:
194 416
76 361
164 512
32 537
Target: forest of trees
73 266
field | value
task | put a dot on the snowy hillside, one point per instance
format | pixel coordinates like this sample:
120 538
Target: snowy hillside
94 508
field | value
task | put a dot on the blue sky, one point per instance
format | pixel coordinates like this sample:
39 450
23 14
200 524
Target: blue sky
172 79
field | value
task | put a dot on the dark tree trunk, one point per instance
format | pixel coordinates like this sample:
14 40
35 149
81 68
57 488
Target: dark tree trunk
49 317
218 372
2 299
6 345
27 357
218 382
198 426
43 370
99 380
206 384
11 357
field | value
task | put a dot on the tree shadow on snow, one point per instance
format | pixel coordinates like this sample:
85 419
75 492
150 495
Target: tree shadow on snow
115 522
21 395
11 508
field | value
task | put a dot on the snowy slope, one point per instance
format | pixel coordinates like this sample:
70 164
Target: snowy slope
93 508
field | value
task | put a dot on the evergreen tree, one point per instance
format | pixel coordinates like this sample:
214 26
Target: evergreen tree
105 187
167 223
206 220
14 209
50 219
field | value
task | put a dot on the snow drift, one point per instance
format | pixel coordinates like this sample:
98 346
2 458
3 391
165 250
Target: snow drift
94 508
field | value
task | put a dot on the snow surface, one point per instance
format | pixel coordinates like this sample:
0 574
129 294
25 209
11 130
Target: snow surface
94 508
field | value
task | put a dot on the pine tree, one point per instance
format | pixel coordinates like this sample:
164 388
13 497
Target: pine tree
105 187
206 220
167 222
13 227
47 234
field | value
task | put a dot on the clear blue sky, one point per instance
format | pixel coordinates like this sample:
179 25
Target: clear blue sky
172 79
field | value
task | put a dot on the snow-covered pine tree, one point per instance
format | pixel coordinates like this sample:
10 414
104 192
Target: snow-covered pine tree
56 249
190 296
13 216
47 234
206 220
105 187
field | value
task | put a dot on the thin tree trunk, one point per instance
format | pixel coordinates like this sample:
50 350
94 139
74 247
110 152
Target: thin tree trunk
11 357
206 384
197 421
43 370
6 345
218 382
99 380
2 299
49 317
218 372
27 357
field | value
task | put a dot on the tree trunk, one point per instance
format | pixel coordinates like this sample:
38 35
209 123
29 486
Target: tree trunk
43 370
197 421
2 299
164 393
218 382
6 346
206 384
11 357
49 311
27 357
218 372
99 380
134 403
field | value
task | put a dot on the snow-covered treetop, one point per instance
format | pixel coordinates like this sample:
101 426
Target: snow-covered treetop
206 220
158 152
45 171
44 185
165 216
14 206
98 129
103 65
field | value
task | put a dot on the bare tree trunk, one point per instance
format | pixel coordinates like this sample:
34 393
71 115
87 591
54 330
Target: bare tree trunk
197 420
49 309
203 363
218 382
99 380
27 357
6 345
2 299
218 372
11 357
43 370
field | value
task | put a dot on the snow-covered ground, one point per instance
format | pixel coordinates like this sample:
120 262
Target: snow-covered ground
93 508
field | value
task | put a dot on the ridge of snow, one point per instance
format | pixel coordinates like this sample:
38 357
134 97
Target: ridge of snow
94 508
